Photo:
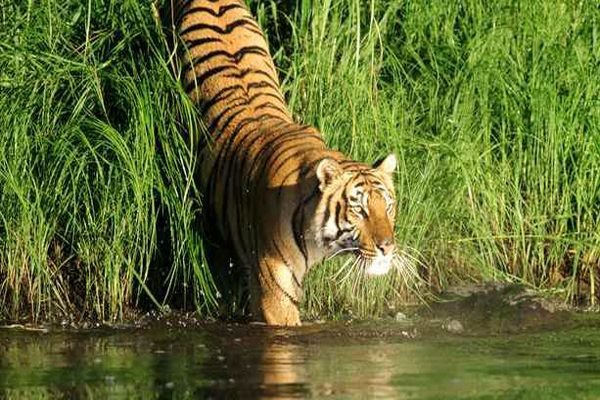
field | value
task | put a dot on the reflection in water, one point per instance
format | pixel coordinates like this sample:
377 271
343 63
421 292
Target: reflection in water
228 361
74 366
256 365
283 370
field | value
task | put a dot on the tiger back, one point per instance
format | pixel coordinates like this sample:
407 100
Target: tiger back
228 70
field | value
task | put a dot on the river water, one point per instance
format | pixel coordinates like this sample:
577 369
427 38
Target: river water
335 360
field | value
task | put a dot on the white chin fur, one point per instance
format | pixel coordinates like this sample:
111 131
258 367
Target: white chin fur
379 266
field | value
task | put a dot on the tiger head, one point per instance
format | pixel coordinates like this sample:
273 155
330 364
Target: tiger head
356 211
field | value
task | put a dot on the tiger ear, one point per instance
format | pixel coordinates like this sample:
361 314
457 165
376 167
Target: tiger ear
327 171
387 164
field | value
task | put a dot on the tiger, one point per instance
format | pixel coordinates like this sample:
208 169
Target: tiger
271 187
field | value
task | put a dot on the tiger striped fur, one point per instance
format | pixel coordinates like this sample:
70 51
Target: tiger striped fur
271 186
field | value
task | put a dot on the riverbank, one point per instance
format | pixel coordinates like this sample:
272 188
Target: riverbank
468 310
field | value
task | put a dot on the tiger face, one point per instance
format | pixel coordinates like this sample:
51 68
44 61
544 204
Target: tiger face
356 212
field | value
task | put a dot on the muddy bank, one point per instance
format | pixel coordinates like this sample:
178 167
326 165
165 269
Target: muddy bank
483 309
498 308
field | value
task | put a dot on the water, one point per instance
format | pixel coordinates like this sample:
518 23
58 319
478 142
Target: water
375 360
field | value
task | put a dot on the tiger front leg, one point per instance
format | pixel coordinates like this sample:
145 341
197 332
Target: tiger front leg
276 293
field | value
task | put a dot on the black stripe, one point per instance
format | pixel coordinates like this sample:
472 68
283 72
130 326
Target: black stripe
233 57
214 123
267 144
230 119
274 140
304 169
237 56
327 212
267 94
269 152
235 170
298 224
245 152
226 172
300 131
289 296
244 72
217 172
350 165
219 13
276 93
242 152
267 116
199 79
286 263
264 84
243 203
302 149
223 94
338 212
341 232
271 105
190 44
249 24
345 189
277 125
227 145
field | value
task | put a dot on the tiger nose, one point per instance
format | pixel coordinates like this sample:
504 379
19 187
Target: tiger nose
386 246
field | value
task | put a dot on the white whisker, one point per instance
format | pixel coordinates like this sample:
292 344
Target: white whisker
407 266
359 275
409 251
342 251
345 269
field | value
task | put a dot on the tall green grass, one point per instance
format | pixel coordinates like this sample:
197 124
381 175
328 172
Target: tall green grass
93 164
492 108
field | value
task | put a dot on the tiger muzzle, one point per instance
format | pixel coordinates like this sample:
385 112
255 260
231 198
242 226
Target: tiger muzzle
386 246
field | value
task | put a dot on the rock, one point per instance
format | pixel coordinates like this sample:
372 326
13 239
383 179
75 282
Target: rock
401 317
454 326
498 308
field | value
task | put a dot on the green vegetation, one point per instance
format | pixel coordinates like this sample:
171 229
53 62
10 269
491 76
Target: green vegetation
93 169
492 107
